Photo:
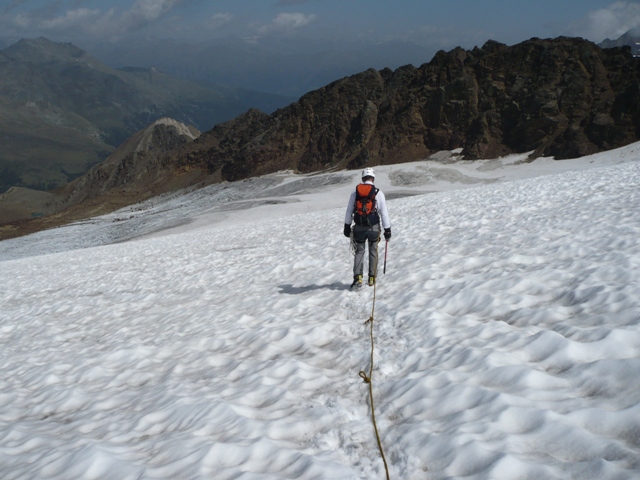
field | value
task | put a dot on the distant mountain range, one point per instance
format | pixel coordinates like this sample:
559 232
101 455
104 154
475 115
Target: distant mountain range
563 97
61 110
630 39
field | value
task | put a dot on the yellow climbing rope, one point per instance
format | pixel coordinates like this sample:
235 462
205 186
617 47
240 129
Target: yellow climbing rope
369 378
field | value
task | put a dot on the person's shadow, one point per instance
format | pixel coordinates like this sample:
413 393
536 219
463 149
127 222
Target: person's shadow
291 290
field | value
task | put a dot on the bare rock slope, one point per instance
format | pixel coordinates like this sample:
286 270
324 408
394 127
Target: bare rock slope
131 174
562 97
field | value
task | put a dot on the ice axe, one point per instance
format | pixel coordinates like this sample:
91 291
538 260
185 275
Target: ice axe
386 246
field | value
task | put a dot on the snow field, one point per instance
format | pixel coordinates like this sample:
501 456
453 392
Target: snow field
506 330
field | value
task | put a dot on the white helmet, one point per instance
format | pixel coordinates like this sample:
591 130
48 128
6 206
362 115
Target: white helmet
368 172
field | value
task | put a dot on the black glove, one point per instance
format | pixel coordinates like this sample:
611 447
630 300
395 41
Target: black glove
347 230
387 234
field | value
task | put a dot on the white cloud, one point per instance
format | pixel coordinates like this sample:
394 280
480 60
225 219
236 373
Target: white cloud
143 12
293 20
58 21
72 18
610 22
219 20
81 20
286 22
20 21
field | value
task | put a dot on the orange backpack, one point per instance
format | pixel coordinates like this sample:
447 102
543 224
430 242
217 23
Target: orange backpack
366 212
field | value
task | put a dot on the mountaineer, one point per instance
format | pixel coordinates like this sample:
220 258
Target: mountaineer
367 208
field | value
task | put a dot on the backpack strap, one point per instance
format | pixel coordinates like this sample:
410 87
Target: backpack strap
372 196
372 193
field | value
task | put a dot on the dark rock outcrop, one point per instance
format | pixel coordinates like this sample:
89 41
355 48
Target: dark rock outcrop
563 97
134 167
134 172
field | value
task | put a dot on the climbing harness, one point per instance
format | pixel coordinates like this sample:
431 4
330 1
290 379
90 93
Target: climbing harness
369 378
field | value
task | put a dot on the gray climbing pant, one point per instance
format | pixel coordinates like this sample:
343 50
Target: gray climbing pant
362 236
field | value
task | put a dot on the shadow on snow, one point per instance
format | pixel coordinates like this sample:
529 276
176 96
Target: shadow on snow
291 290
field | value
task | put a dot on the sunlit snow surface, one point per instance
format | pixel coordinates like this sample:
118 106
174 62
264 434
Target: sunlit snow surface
221 341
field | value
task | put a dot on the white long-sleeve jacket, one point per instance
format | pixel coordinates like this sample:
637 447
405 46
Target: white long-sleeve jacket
381 205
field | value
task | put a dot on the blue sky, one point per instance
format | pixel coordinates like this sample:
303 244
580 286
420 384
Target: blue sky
441 24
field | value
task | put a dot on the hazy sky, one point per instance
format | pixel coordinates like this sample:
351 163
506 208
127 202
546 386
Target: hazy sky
432 23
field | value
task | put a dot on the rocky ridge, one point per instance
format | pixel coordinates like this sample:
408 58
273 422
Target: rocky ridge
131 174
132 168
563 97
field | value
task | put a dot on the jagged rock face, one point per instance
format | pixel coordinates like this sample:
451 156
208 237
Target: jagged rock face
563 97
135 165
134 172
